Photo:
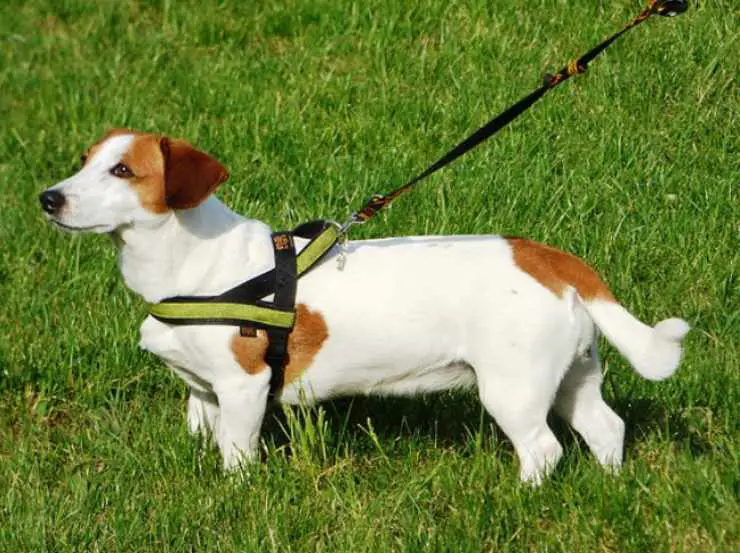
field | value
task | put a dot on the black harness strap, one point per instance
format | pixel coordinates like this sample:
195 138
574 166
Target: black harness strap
285 283
263 285
251 292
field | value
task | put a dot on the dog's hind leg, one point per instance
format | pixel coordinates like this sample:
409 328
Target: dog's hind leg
580 403
519 395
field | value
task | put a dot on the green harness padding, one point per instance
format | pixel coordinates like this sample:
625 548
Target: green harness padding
191 313
242 305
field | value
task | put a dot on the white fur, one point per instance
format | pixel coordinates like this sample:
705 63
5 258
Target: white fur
404 316
96 200
653 352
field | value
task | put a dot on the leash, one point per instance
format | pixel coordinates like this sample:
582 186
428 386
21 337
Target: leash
244 306
666 8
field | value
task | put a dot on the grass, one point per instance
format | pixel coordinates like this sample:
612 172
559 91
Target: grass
314 105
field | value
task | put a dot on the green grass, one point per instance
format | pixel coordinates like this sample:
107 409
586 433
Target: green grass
313 105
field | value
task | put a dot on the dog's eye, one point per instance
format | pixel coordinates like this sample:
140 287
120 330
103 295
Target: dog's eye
121 171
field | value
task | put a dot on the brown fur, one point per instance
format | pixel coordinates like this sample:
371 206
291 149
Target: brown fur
557 270
190 175
146 161
304 343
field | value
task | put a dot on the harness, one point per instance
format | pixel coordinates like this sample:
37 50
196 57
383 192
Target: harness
244 306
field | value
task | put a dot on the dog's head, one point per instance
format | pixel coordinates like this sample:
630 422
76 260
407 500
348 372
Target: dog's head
130 177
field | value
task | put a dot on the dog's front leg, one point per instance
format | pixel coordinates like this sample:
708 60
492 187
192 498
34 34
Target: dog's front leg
203 413
242 402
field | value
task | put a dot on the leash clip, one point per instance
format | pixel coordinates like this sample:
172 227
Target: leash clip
342 257
351 221
342 238
355 219
375 202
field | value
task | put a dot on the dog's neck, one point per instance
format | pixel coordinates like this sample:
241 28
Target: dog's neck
201 251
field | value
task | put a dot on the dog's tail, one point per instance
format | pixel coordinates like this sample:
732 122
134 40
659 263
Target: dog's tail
654 352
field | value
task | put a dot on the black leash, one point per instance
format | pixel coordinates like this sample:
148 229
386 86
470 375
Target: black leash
377 202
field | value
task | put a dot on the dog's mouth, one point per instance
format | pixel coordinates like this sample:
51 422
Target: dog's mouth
98 228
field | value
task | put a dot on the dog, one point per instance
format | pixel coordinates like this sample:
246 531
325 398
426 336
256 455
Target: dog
404 316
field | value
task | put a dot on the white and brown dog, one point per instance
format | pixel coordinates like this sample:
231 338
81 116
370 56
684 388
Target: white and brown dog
405 315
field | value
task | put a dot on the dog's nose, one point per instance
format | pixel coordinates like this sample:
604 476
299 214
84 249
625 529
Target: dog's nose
52 201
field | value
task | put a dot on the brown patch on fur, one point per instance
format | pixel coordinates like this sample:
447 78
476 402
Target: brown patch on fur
146 162
309 334
556 269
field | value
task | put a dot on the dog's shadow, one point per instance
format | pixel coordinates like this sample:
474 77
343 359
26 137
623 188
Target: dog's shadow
447 419
454 420
645 417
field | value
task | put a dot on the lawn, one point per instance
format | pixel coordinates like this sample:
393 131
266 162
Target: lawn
314 105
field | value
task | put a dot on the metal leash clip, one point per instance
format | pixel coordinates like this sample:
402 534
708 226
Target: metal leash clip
343 237
351 221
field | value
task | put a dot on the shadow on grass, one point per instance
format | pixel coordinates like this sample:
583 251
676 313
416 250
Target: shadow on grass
446 420
645 417
454 420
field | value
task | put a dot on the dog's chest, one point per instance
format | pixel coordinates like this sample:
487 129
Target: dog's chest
194 353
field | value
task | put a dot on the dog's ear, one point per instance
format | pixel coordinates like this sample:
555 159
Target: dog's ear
190 176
